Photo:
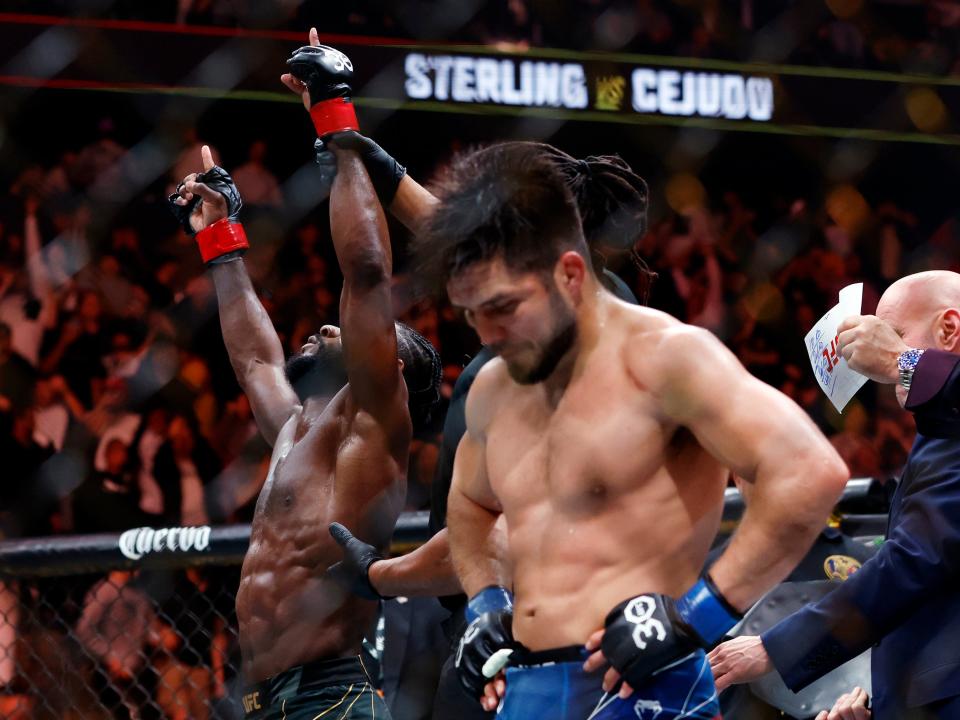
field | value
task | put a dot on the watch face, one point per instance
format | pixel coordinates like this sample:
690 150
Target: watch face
908 359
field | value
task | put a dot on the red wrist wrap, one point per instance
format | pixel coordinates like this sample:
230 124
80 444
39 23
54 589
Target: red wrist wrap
220 238
330 116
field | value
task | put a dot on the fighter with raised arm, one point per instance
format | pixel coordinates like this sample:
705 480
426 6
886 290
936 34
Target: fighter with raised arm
339 415
612 202
604 433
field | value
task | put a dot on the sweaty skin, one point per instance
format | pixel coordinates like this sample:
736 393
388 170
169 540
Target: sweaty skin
611 473
340 457
289 612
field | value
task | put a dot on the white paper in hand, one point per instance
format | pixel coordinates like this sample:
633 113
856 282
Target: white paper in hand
838 381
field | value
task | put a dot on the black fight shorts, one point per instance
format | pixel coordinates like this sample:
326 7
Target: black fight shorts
338 689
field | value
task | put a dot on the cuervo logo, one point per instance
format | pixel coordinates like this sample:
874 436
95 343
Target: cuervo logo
137 542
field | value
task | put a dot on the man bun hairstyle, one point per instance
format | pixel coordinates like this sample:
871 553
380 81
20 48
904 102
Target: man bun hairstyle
613 202
612 199
494 191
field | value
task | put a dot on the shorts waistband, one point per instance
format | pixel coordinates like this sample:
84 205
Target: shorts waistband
314 674
552 656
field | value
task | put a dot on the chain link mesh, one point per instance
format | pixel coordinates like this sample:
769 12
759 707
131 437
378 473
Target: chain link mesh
128 644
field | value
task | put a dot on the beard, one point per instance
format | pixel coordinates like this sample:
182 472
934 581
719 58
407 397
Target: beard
553 350
319 375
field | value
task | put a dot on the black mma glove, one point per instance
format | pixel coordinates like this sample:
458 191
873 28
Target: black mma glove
384 171
327 73
225 239
354 570
490 629
648 632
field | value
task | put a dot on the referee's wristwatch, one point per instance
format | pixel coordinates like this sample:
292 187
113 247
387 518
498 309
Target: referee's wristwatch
906 364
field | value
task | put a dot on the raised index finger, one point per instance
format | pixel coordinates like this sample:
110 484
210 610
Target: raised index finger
207 156
314 37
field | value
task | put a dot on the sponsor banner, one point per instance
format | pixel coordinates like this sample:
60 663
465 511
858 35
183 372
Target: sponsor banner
581 86
137 542
212 63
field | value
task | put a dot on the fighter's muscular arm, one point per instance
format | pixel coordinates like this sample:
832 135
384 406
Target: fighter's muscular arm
368 334
251 341
412 204
477 538
428 571
762 436
254 349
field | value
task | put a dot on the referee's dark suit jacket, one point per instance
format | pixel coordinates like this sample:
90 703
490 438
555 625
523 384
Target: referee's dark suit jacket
905 601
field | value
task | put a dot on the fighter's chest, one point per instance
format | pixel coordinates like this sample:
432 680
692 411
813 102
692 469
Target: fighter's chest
593 443
301 470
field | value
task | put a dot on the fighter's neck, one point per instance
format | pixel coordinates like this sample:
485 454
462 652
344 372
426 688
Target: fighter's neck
591 317
315 405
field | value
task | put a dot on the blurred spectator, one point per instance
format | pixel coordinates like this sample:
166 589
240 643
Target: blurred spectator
58 670
150 435
854 443
69 252
234 429
184 465
17 377
53 406
188 160
510 25
108 501
296 252
27 302
106 280
703 291
115 628
112 419
257 185
195 376
25 507
192 669
9 622
80 349
98 168
915 36
57 184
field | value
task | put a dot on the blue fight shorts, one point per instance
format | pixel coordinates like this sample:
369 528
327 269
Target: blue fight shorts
552 685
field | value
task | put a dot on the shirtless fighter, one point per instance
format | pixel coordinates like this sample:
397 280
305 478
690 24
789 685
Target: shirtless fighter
612 202
338 415
602 433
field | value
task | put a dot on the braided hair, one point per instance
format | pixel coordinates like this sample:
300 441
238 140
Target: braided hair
422 371
613 202
527 199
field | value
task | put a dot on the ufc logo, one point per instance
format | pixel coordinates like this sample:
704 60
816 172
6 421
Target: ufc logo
251 702
639 612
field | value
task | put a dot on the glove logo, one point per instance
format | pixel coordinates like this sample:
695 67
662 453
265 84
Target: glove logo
467 638
639 612
340 61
